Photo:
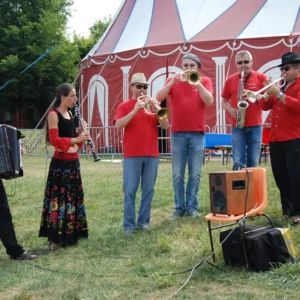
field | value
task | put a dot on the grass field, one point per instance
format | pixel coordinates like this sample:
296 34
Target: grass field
109 265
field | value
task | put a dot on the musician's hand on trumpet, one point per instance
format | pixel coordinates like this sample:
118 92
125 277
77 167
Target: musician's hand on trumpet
176 77
140 103
152 107
270 89
273 90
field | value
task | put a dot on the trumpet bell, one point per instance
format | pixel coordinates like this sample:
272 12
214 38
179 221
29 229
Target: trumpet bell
251 97
193 77
162 113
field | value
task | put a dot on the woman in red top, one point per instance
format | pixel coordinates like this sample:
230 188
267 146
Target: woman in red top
64 215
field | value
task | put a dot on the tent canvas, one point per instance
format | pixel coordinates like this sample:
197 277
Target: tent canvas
151 36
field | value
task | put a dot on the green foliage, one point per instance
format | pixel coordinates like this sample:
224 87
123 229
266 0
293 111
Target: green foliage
99 27
97 30
27 30
109 265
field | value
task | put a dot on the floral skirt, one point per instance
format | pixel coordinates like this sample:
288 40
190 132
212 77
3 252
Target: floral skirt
64 215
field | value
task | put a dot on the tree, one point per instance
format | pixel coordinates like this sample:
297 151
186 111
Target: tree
86 44
98 29
28 28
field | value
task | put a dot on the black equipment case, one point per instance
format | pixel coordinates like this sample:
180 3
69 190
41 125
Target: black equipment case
264 246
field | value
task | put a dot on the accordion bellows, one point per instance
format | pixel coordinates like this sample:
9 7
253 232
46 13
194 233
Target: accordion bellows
10 152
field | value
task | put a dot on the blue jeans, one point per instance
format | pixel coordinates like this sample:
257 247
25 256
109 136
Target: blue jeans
246 145
187 147
136 169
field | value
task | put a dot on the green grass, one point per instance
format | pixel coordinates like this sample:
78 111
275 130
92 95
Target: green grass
108 265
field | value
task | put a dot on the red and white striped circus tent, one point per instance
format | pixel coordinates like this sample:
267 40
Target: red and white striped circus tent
151 36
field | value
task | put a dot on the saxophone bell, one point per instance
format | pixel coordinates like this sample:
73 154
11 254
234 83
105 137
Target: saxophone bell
243 104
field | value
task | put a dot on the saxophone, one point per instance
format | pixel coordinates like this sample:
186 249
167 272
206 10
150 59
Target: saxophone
242 105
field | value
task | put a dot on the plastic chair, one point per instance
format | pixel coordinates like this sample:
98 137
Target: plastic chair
260 199
265 142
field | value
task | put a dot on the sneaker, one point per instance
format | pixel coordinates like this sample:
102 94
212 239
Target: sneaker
177 214
26 256
145 227
128 232
193 214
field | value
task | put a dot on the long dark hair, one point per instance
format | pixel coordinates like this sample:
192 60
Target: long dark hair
63 90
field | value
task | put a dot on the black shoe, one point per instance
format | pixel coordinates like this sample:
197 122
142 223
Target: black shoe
26 256
177 214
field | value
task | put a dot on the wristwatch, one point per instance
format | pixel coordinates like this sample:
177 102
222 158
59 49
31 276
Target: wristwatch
279 95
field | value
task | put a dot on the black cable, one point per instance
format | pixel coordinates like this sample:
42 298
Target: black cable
126 274
242 232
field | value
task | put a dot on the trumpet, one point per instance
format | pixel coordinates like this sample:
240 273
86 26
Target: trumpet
252 96
152 108
191 76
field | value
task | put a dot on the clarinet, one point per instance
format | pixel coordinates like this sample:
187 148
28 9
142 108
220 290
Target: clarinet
90 142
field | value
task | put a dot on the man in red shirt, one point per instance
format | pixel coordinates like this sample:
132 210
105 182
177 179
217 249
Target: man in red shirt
285 135
141 155
246 140
188 105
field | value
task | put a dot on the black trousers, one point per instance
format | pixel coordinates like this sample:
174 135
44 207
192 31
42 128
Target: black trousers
285 161
7 232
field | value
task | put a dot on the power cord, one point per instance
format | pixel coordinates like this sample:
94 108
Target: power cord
206 260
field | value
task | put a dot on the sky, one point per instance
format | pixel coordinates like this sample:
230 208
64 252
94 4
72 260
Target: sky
87 12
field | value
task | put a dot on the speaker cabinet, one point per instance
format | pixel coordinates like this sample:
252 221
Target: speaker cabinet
228 192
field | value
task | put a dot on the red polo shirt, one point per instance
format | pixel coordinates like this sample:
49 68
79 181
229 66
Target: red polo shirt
254 83
188 108
285 117
141 133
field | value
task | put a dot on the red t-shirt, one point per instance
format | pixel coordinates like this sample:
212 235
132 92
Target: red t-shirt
188 108
141 133
285 117
254 83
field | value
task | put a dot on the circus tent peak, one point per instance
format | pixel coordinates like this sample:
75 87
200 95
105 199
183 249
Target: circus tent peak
142 24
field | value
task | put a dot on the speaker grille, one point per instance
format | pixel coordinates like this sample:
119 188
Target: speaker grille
219 200
218 181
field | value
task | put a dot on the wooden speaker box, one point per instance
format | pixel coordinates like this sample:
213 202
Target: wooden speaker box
228 192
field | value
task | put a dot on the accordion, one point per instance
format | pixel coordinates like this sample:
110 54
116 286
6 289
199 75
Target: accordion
10 152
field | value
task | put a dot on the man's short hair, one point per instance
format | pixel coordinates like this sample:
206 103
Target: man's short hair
243 52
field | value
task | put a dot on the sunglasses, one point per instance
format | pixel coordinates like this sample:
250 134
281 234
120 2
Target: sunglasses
191 65
286 68
139 86
243 62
